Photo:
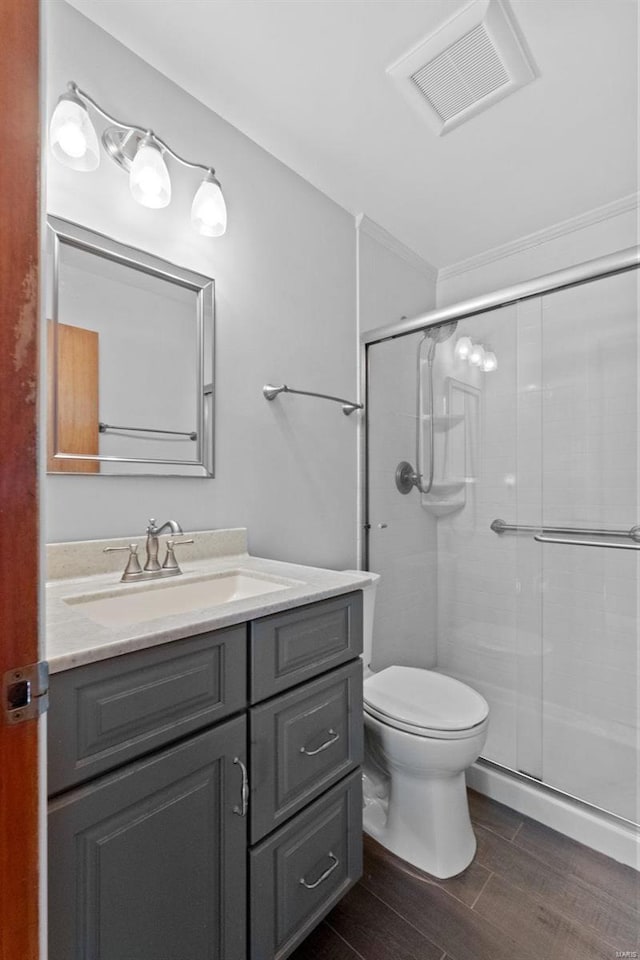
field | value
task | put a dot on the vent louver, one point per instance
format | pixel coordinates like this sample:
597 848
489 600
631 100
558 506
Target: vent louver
471 62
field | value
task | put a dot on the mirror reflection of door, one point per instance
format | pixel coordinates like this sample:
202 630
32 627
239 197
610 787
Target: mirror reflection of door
73 362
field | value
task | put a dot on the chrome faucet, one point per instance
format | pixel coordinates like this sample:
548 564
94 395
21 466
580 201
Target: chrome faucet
152 569
153 532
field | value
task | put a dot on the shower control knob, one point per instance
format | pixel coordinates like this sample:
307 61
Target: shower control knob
382 526
406 477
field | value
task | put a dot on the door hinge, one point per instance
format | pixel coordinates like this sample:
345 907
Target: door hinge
25 692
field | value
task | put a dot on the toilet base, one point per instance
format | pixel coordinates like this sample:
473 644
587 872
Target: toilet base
425 822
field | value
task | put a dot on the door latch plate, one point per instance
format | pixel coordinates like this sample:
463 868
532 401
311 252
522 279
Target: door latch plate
25 692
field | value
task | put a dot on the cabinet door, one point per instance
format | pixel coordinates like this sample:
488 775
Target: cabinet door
149 863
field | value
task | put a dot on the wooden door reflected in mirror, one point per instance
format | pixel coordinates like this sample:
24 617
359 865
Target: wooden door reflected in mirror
73 363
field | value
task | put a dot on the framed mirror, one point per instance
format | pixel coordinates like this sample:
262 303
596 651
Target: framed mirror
130 344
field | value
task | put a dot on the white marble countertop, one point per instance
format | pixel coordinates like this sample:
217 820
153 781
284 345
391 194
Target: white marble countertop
73 639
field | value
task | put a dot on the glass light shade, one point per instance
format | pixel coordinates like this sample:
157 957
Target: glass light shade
208 210
72 136
476 357
463 348
149 179
490 362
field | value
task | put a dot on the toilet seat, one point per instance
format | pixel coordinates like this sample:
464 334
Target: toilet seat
424 703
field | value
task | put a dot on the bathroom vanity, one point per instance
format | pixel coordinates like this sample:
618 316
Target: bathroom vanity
204 768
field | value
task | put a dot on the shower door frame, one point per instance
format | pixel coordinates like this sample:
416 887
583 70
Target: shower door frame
622 261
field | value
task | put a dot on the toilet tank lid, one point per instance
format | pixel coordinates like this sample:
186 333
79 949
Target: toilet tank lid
426 699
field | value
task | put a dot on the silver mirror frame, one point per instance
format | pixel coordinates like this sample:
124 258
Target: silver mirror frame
72 234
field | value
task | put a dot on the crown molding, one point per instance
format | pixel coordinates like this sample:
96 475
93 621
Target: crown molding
564 227
386 239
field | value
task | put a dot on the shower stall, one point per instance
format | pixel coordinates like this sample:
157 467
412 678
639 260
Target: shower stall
500 491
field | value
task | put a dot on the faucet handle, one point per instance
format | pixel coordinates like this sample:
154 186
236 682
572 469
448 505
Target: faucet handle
170 562
133 568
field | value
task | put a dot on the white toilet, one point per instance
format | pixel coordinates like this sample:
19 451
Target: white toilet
422 731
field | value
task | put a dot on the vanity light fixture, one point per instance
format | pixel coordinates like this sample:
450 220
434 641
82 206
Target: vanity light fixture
149 179
138 151
72 135
476 356
208 210
463 348
490 362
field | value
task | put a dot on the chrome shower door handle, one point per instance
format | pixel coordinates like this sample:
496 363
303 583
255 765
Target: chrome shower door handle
587 543
327 873
333 738
241 809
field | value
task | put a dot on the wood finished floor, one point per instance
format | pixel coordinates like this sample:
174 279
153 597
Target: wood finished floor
530 894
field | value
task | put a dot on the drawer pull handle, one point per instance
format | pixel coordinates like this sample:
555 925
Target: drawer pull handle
333 737
241 809
322 877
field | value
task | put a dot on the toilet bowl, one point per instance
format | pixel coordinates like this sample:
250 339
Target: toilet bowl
422 731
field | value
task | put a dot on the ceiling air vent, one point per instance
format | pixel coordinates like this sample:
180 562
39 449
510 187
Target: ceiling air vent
472 61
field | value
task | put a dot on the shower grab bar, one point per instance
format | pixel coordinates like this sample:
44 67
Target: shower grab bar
589 543
271 392
501 526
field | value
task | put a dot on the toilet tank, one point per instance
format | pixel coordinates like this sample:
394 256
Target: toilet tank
368 608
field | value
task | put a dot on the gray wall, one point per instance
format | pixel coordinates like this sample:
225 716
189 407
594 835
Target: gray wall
393 281
285 302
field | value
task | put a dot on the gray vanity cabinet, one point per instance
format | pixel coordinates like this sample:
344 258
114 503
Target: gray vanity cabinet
148 863
147 831
187 774
305 755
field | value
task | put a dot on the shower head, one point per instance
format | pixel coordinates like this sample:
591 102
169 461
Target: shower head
437 334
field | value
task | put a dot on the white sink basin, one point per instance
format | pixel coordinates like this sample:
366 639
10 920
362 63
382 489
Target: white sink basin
136 603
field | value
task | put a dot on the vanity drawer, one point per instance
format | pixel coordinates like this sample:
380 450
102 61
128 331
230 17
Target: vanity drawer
297 875
290 647
302 742
107 713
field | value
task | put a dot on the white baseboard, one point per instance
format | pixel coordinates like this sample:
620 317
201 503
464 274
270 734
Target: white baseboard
614 838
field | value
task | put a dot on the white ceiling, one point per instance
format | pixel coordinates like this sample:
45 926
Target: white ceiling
306 80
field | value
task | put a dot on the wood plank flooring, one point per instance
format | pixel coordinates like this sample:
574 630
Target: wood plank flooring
530 894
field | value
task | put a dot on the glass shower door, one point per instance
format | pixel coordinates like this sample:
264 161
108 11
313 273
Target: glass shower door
448 597
546 631
589 595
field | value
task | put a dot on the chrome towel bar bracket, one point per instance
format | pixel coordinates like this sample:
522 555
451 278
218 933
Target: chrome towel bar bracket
271 392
